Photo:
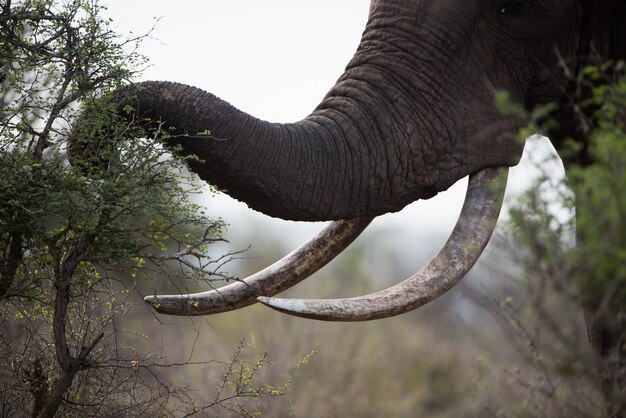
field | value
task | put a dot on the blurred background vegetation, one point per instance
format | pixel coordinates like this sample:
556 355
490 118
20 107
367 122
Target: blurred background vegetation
509 341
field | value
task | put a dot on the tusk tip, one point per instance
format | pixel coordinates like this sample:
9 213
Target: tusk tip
171 305
303 308
154 301
283 305
267 301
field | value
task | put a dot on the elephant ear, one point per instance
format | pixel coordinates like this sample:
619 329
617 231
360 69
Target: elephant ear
466 243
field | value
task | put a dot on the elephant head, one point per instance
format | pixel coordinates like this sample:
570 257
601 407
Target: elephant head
413 113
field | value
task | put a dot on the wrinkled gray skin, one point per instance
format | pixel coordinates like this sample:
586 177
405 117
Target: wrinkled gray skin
412 114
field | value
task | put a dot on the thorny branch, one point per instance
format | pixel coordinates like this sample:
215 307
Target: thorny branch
55 59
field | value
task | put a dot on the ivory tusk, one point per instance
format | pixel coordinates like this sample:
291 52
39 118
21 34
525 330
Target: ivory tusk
290 270
464 246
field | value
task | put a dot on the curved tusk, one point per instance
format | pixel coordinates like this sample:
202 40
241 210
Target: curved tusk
466 243
290 270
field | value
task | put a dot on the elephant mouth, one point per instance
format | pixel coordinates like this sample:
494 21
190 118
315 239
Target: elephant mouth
466 243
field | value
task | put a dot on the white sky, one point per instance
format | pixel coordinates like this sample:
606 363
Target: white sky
274 59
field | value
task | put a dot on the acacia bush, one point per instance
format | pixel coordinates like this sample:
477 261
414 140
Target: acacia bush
79 232
567 238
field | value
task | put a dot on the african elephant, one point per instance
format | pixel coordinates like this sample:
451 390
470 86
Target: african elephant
413 113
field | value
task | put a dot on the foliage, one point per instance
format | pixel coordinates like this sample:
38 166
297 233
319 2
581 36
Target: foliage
600 191
80 231
239 393
575 263
598 195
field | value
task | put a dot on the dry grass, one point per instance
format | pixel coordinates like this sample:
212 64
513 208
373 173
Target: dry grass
462 356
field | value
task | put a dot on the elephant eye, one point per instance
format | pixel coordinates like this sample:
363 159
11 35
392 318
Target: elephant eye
510 7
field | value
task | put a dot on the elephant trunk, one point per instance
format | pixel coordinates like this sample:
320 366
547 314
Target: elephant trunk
291 171
309 170
388 133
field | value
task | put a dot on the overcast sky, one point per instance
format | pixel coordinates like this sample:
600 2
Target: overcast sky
274 59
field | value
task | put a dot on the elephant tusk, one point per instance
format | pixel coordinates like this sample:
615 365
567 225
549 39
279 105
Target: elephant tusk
290 270
464 246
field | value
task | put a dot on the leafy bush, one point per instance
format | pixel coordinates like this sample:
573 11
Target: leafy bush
80 230
575 263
